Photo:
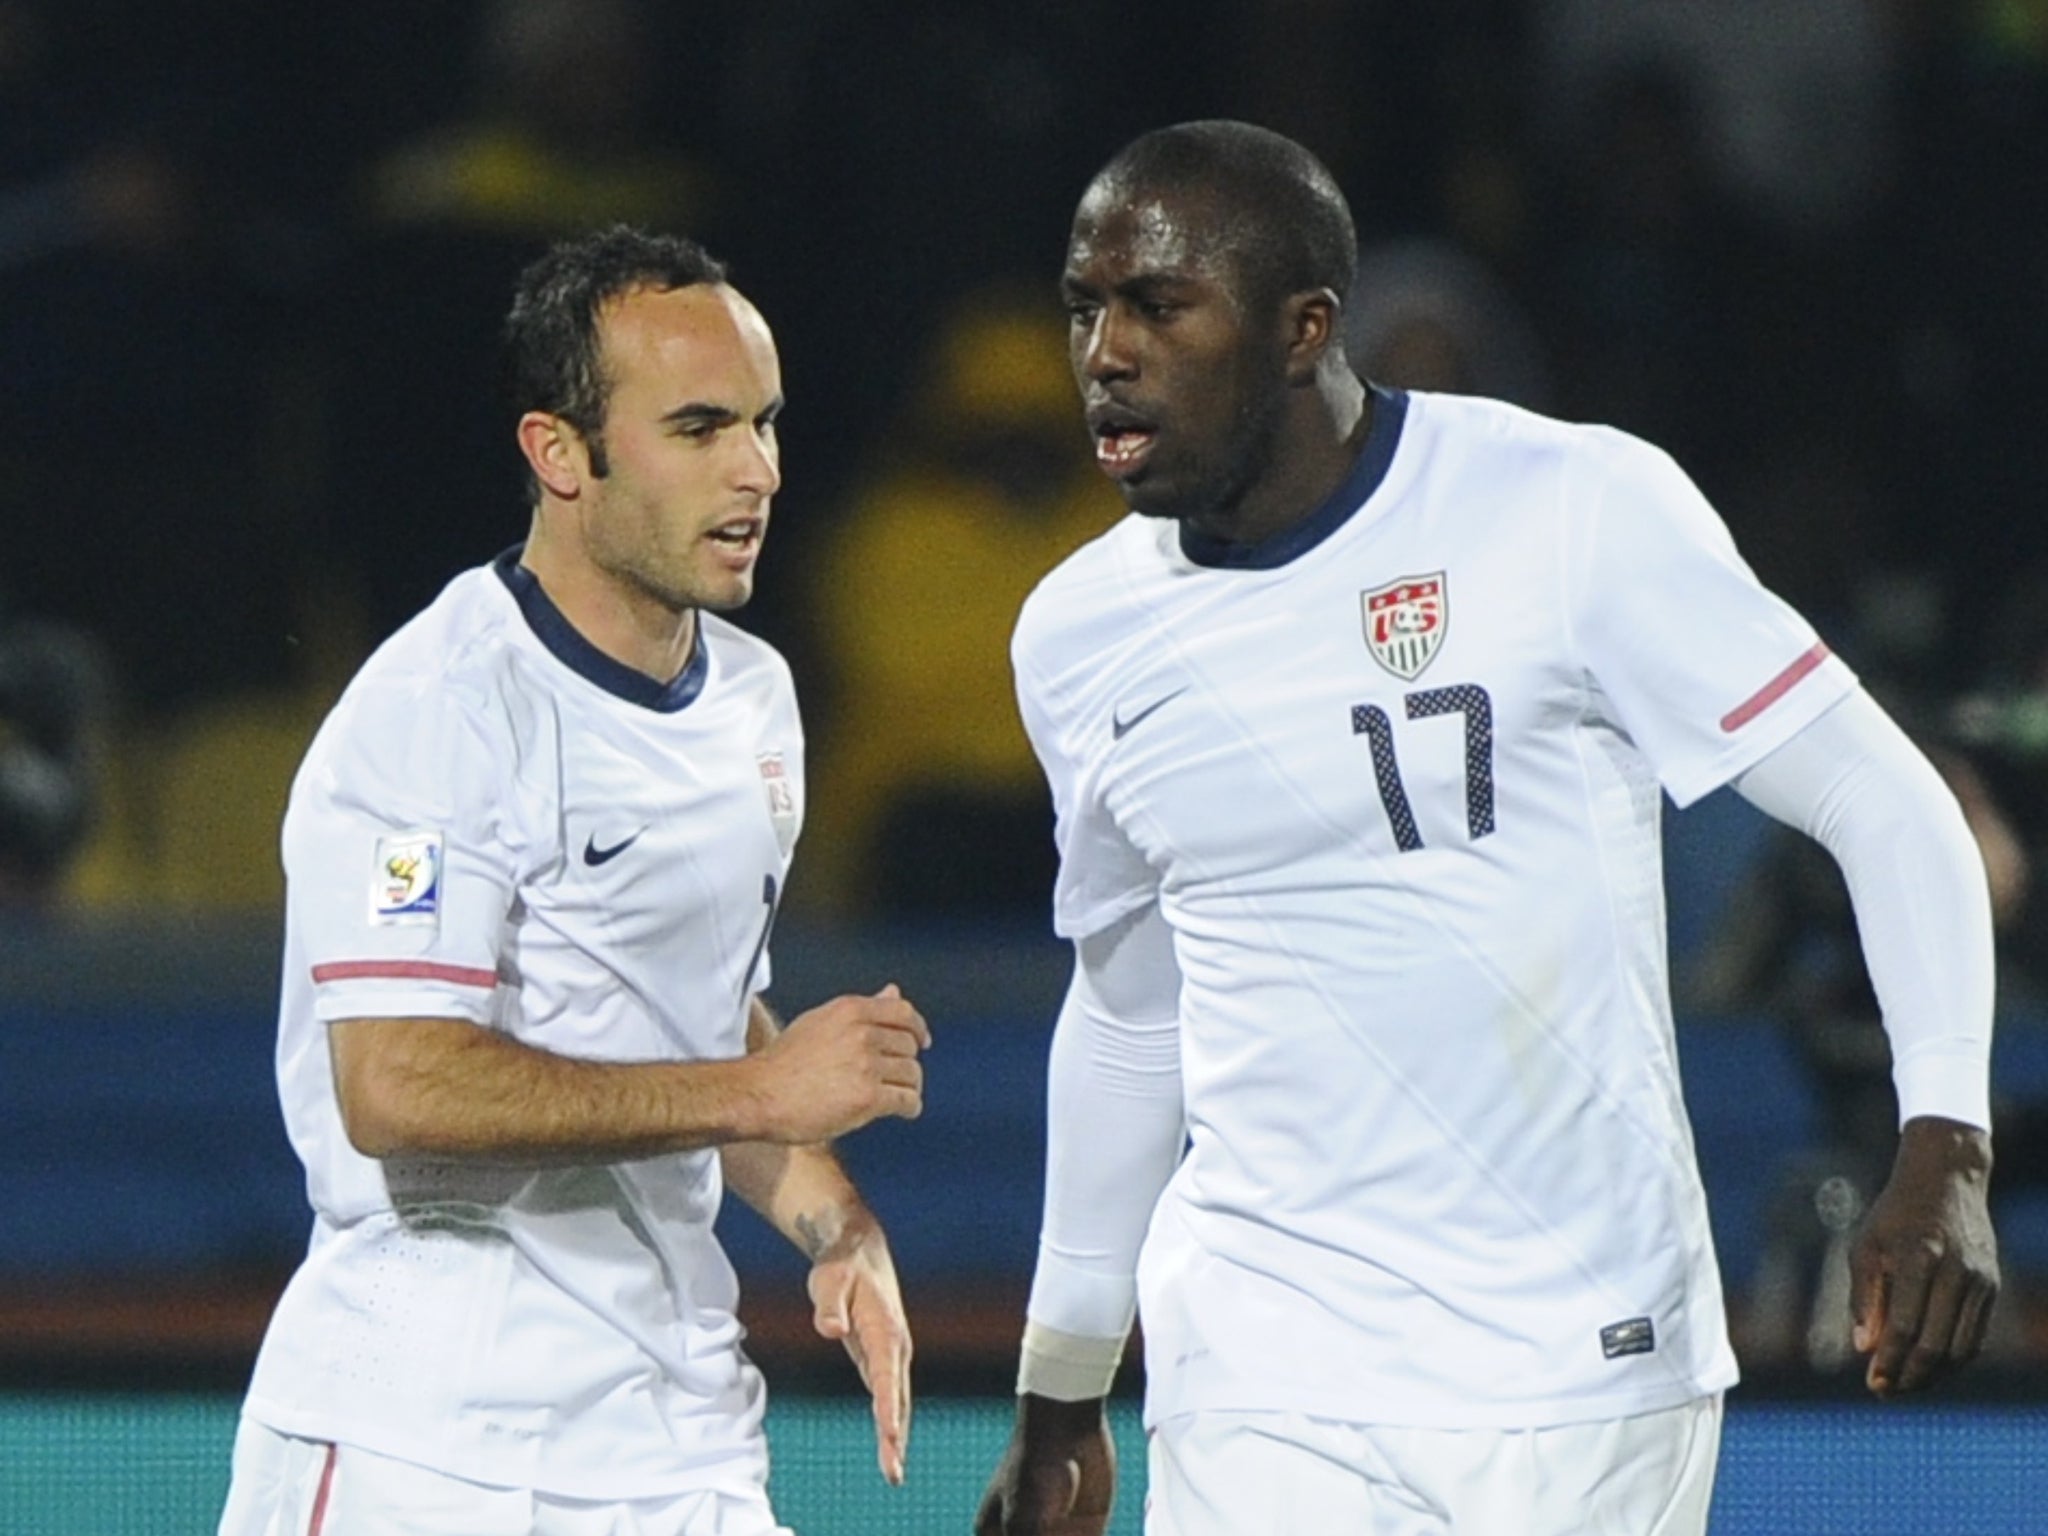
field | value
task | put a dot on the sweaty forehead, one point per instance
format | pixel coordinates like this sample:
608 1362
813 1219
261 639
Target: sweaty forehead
1134 230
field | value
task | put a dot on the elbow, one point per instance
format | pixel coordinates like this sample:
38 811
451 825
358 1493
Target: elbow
378 1113
373 1119
374 1139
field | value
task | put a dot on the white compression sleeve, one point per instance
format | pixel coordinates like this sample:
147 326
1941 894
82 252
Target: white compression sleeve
1854 782
1114 1134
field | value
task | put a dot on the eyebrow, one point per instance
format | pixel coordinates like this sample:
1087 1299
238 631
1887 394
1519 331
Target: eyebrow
704 413
1141 286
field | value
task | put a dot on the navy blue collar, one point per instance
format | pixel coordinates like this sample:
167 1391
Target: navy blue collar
581 657
1389 410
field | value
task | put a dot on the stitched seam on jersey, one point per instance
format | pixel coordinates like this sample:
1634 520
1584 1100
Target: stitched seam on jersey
1657 1026
1588 687
403 970
1566 597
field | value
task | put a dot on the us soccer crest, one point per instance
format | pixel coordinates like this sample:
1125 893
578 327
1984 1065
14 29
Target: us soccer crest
1405 622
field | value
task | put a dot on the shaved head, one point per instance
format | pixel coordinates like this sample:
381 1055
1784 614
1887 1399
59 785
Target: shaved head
1269 204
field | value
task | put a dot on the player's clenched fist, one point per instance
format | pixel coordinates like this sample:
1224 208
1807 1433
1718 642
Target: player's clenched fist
842 1064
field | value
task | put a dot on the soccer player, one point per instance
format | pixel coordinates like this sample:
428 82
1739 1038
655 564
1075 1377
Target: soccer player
533 858
1364 1092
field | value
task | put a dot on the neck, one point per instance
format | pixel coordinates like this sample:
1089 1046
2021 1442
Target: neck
1317 442
621 618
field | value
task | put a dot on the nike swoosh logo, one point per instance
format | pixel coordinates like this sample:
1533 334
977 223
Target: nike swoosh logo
1121 723
594 855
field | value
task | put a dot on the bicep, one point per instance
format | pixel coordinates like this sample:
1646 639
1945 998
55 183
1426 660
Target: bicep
399 862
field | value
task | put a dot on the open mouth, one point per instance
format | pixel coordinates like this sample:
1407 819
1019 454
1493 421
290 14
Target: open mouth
1123 439
741 537
1123 452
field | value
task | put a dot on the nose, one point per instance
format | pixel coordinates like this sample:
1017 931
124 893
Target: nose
1102 352
758 462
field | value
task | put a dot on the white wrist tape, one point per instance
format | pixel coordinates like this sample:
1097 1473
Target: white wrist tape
1066 1367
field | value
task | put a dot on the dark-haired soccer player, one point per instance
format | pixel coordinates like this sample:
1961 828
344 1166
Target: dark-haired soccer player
533 860
1357 732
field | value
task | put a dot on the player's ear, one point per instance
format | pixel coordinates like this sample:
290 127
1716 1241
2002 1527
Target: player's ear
1309 321
555 451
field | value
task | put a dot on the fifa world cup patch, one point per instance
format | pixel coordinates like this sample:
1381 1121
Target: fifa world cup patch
781 793
1637 1336
1405 622
405 882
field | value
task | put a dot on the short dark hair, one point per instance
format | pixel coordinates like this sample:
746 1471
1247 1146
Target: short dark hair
1291 229
553 359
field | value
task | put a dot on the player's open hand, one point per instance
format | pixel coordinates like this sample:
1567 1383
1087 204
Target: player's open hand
843 1064
856 1299
1924 1272
1058 1476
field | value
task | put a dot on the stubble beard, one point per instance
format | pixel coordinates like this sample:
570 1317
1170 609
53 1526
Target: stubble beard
651 579
1217 485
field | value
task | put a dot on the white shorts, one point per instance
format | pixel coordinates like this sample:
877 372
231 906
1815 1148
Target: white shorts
284 1486
1283 1474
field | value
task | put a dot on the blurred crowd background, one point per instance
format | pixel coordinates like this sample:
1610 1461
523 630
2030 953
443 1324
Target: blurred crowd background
253 258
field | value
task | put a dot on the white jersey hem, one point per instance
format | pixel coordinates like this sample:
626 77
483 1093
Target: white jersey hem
1342 1406
742 1473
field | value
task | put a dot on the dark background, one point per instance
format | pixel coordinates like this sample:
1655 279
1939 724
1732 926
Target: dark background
1804 246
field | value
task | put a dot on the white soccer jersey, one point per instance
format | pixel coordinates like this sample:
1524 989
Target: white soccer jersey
498 823
1393 779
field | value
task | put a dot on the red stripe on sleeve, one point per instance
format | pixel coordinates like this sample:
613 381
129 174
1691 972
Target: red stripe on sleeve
1775 689
403 970
320 1499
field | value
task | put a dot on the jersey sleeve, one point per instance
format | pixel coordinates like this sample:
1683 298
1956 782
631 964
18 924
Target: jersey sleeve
1705 669
398 863
1101 876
